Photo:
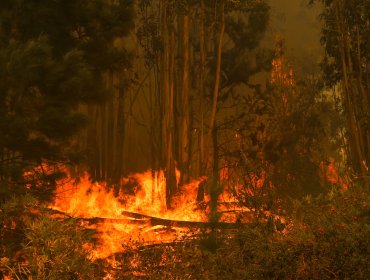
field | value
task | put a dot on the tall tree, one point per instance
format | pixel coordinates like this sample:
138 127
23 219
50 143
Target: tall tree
347 61
184 139
243 23
52 55
203 75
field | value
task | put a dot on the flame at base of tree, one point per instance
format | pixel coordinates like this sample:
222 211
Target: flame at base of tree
125 215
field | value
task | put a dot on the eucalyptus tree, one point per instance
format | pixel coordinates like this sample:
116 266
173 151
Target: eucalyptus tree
345 36
199 52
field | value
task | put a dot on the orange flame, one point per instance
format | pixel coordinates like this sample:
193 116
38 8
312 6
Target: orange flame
126 217
137 213
331 175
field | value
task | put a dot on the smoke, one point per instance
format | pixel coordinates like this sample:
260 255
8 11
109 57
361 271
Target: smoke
299 25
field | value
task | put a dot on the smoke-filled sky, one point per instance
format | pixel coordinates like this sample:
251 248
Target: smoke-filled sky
300 27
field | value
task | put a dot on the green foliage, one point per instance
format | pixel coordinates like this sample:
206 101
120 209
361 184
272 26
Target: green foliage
245 27
354 17
55 250
299 138
283 135
35 246
52 58
345 36
326 238
13 216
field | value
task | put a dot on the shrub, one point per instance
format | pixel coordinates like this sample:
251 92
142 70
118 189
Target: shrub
326 238
45 247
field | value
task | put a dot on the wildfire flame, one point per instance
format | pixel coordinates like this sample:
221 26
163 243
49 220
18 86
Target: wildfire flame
126 216
137 212
331 174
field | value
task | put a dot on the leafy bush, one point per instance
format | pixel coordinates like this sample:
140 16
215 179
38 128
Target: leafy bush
327 237
37 246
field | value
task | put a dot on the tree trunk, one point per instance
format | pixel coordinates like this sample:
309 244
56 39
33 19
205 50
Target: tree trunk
119 154
359 160
201 165
215 94
167 82
111 135
214 192
185 112
216 87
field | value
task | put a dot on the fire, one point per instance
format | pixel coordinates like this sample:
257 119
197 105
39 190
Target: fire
330 173
136 214
127 216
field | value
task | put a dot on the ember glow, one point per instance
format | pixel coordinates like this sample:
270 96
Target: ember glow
136 213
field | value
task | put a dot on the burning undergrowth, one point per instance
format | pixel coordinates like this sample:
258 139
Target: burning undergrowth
133 225
136 213
134 234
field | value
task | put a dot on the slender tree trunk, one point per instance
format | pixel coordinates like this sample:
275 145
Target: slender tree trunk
359 160
364 97
215 177
185 106
111 131
119 154
92 143
167 81
170 162
102 142
216 87
205 145
201 165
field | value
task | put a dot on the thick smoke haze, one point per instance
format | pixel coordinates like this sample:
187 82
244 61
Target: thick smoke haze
299 24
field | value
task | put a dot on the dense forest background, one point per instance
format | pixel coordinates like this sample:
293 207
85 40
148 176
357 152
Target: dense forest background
266 99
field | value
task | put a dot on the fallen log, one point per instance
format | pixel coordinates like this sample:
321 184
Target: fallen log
122 221
142 219
96 220
155 221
